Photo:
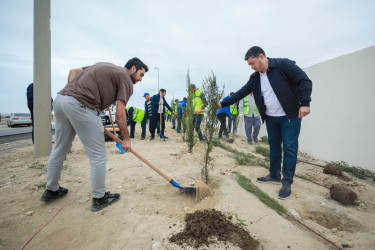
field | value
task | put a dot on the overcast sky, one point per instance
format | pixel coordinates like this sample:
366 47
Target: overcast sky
202 36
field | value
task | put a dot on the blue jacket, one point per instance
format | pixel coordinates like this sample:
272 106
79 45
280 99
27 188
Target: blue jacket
289 82
155 104
225 110
181 105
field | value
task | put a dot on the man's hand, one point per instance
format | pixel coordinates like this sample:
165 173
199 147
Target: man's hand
198 111
173 113
126 144
219 106
303 111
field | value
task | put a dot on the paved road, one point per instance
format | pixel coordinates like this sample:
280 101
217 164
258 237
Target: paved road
15 131
17 134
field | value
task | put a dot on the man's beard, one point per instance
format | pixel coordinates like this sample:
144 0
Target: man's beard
132 76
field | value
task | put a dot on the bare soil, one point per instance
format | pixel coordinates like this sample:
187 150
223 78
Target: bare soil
151 210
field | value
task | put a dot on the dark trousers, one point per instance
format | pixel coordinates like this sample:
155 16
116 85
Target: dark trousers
197 125
282 131
143 126
32 121
150 125
155 119
223 124
107 120
179 121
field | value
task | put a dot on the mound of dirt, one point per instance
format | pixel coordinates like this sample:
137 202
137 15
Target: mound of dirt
343 194
208 226
332 169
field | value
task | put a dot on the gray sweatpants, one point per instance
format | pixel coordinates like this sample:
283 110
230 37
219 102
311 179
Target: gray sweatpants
72 117
251 122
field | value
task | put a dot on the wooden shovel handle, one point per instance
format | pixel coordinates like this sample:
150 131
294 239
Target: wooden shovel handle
139 156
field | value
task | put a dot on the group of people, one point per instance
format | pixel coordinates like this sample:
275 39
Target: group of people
278 92
245 107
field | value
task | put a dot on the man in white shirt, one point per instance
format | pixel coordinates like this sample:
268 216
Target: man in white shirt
282 93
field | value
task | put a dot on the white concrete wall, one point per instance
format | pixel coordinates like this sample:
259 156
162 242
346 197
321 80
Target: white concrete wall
341 125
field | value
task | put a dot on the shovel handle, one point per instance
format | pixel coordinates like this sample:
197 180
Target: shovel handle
139 156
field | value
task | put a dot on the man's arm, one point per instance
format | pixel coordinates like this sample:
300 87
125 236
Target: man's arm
298 77
73 73
239 95
121 122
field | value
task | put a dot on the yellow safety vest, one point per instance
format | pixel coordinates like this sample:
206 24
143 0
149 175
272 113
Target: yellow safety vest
233 109
246 107
138 114
197 101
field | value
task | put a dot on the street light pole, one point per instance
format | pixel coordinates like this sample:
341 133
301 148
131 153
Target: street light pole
158 76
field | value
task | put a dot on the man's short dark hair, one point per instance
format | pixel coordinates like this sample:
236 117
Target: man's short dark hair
193 86
254 52
185 99
137 63
163 90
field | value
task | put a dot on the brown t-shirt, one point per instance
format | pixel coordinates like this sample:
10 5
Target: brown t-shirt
100 85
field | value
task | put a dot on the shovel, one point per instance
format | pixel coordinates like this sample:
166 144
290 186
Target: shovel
171 181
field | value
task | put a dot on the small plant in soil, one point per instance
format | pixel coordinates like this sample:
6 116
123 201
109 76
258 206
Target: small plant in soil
212 94
38 165
240 222
264 139
355 171
262 151
41 185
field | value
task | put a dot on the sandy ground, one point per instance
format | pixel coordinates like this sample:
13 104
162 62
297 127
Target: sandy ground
151 210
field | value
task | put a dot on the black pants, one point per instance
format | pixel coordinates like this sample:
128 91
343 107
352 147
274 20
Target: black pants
143 125
32 121
155 119
223 124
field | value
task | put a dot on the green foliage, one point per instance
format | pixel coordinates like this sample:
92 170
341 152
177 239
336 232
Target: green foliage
241 157
240 222
355 171
38 165
212 94
246 184
264 139
41 185
188 119
262 151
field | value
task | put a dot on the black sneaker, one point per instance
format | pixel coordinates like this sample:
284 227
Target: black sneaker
107 200
285 192
255 140
142 138
152 138
50 195
269 179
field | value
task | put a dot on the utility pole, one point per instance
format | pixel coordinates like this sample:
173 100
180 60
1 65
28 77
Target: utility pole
158 78
42 78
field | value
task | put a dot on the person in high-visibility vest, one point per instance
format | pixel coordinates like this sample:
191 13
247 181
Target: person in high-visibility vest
169 113
222 115
174 107
233 117
251 118
134 116
180 112
199 105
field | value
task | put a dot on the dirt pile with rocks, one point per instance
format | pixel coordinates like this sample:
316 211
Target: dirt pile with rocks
209 226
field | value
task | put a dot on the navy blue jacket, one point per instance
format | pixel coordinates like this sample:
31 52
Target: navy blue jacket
290 83
155 104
